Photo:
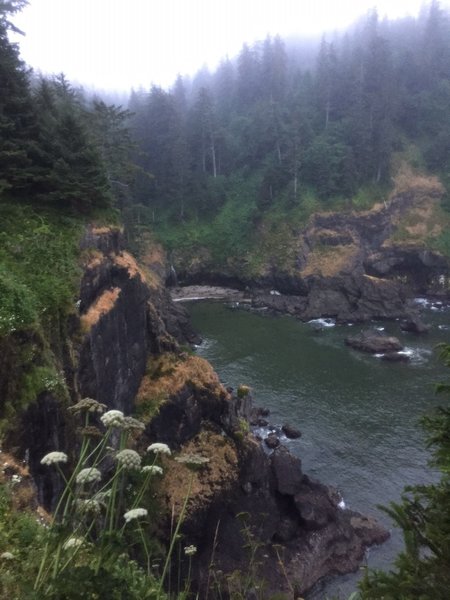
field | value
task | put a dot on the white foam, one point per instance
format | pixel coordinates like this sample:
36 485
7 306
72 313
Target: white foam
323 322
407 352
421 301
417 355
342 504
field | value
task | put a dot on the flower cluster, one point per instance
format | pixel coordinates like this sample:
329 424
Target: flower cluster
130 423
158 448
89 506
52 458
88 405
190 550
102 497
192 461
135 513
112 418
72 542
154 469
7 556
89 475
128 459
90 431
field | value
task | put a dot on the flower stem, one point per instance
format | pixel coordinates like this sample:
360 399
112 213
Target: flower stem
175 534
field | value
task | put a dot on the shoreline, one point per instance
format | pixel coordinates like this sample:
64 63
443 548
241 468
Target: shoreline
191 293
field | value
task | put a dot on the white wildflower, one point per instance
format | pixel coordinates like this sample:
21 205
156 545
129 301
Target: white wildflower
129 459
152 469
52 458
130 423
190 550
102 496
194 462
87 405
112 418
135 513
7 556
16 478
158 448
89 475
72 542
88 506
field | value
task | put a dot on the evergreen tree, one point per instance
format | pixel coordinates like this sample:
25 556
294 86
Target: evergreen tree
71 171
17 118
423 568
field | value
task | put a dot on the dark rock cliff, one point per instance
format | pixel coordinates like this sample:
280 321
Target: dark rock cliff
125 352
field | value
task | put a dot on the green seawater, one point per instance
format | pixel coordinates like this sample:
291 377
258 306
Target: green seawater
358 414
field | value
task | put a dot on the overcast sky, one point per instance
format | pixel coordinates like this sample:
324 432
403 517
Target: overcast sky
119 44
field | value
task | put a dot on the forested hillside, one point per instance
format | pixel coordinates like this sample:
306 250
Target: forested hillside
274 135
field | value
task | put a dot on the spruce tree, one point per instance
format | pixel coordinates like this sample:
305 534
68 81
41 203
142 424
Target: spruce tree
422 570
17 118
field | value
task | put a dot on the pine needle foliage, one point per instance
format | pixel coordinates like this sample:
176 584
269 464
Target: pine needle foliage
422 570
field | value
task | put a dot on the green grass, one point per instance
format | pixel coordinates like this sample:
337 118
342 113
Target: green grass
38 265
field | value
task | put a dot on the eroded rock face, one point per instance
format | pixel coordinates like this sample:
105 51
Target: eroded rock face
126 314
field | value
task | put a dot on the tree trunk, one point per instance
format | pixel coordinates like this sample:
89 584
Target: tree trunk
213 156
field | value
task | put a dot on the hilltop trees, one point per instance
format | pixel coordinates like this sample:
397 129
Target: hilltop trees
56 147
301 127
17 119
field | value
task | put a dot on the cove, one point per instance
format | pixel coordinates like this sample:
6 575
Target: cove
358 415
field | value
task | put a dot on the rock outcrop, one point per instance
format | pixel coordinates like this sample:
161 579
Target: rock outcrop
125 352
352 266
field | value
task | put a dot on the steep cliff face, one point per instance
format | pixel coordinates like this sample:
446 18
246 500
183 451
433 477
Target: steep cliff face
122 316
349 265
123 352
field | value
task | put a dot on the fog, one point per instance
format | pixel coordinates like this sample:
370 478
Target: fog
112 45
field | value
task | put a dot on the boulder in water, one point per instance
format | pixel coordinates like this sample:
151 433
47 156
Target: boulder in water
291 432
414 325
272 441
374 342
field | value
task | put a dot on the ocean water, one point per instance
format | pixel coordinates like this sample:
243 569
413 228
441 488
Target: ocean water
358 414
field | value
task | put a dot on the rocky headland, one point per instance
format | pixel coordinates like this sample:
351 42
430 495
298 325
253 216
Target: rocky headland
122 345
